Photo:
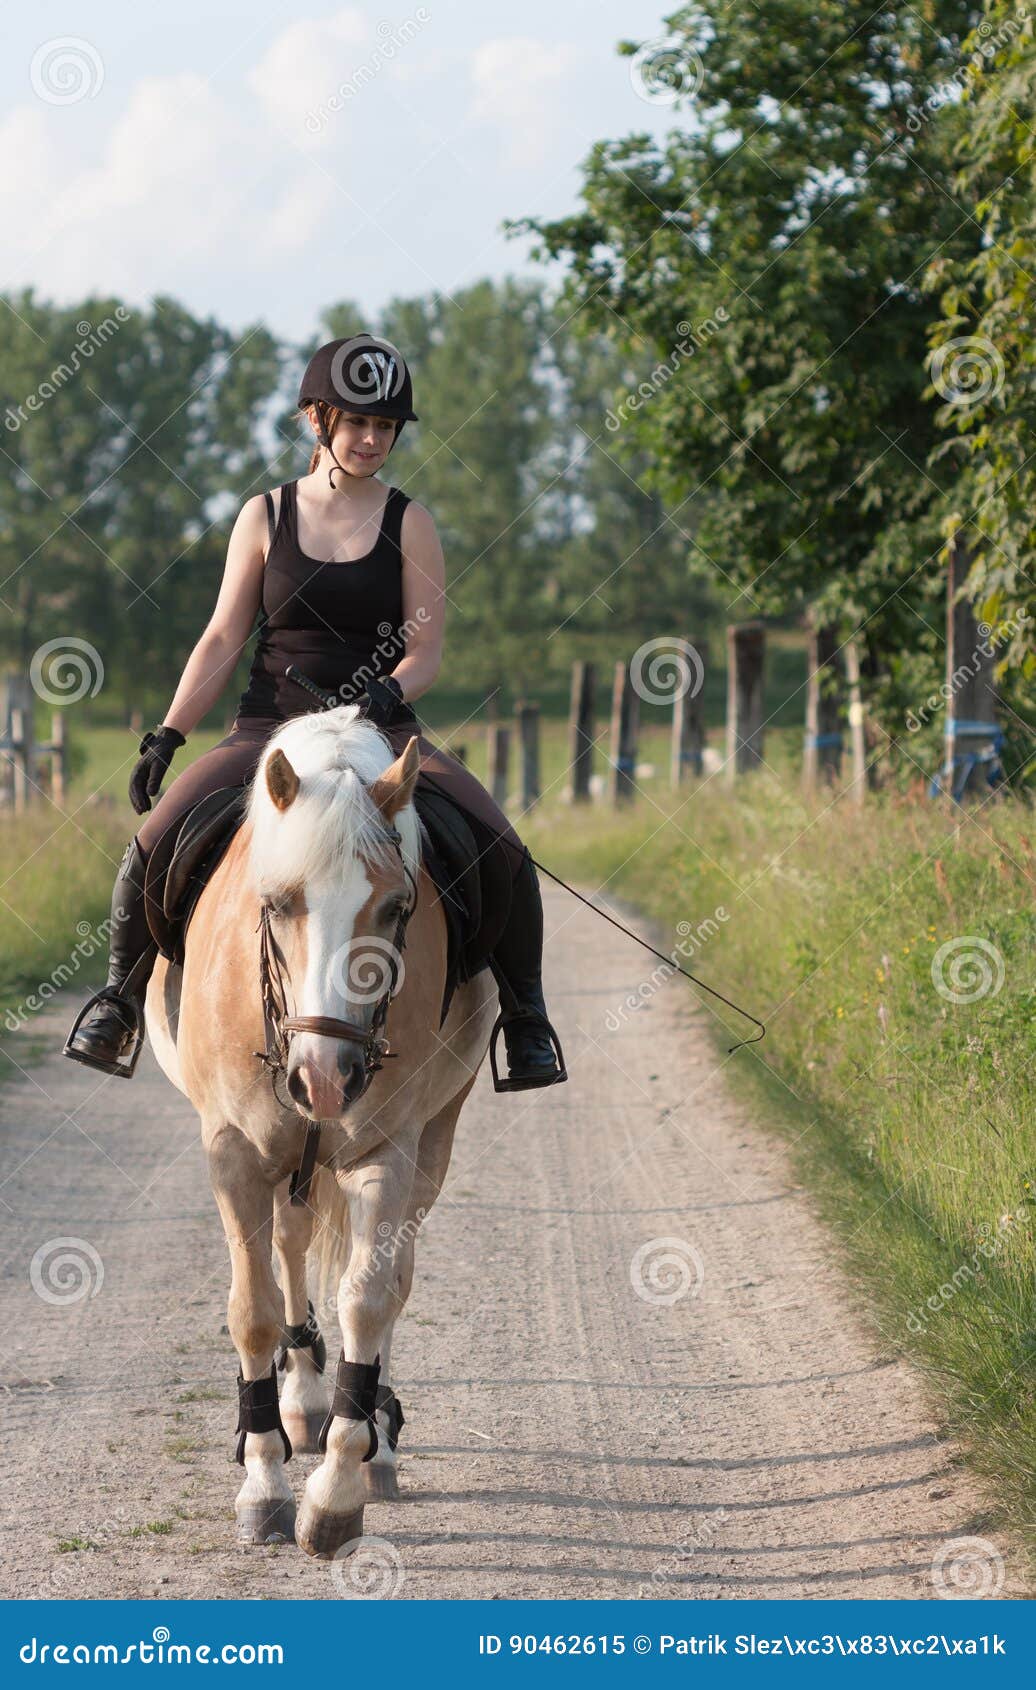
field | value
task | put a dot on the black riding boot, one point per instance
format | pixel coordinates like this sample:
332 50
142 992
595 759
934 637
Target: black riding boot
109 1030
534 1055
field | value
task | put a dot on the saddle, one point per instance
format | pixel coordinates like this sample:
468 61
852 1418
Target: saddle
473 883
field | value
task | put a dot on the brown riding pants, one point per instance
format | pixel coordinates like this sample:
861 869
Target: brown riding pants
234 760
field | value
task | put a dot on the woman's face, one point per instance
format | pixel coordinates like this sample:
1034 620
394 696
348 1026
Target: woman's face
361 444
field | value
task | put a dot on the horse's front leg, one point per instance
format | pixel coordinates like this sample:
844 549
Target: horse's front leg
303 1391
265 1506
376 1192
433 1159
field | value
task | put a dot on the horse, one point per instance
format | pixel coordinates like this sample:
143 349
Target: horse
326 869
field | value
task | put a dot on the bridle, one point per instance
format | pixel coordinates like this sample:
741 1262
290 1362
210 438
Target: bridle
278 1025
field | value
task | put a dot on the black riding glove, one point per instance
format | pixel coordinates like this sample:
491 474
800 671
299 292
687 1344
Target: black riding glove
156 754
383 703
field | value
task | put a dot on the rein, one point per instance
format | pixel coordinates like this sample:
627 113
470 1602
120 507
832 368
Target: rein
375 1046
278 1025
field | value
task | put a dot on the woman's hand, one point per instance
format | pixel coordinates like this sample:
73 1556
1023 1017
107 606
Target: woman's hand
383 702
156 754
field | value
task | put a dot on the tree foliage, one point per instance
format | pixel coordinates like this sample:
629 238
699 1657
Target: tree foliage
983 364
781 234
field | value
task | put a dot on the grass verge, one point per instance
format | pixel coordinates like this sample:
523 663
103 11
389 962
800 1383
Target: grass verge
890 952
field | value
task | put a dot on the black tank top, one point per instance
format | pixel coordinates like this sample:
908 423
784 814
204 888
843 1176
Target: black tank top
340 623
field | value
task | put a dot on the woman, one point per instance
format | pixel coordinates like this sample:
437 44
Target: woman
349 584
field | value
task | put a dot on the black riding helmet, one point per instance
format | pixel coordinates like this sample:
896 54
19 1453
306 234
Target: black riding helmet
360 373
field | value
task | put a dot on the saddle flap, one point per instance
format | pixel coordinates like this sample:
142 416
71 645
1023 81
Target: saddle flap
180 865
475 895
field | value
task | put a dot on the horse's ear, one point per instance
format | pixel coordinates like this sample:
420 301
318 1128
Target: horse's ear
393 790
282 783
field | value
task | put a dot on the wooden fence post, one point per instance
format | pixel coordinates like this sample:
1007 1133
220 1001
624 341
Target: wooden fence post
58 758
499 758
746 654
857 738
16 736
625 723
529 739
687 743
822 757
581 730
973 738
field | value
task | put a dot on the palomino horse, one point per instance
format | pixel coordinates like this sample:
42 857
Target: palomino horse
326 867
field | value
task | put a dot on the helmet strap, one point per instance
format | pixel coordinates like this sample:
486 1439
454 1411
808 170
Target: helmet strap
325 441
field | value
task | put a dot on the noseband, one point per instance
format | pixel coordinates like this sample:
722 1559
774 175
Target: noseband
278 1025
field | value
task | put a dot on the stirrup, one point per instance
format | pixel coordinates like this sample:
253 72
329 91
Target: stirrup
525 1082
121 1066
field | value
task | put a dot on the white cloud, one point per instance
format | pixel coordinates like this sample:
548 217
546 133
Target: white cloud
228 195
304 69
520 87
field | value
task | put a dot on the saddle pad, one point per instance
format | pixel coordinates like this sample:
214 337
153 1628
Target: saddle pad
472 880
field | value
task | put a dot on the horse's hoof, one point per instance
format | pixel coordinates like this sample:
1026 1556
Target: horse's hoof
324 1535
382 1483
304 1430
266 1522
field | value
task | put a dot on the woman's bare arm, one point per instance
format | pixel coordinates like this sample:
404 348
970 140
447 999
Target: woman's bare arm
424 602
212 661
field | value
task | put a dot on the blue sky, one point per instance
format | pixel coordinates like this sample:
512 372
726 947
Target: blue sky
260 162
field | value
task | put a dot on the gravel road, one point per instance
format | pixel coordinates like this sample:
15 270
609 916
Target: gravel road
630 1365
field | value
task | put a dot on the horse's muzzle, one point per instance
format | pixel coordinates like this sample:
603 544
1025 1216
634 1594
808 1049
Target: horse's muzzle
324 1080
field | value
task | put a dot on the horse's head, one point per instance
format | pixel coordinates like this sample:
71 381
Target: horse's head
335 853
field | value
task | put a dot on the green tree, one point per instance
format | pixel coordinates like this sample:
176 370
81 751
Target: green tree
984 354
772 250
130 440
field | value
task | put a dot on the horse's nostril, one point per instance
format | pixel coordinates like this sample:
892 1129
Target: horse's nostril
353 1082
297 1087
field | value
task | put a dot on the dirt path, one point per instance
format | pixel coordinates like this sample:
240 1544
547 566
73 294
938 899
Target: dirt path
567 1434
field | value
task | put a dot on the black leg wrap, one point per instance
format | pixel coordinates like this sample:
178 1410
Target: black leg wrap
304 1337
387 1400
258 1411
355 1398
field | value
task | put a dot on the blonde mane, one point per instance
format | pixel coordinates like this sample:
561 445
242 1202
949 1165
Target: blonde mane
333 820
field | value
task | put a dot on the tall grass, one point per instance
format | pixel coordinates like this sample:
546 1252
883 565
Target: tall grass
890 951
